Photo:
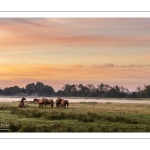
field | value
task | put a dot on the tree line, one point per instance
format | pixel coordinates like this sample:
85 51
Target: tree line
30 89
77 90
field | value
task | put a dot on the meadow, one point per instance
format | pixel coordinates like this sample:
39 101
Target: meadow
78 117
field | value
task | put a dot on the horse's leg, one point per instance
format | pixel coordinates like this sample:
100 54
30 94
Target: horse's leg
60 105
24 105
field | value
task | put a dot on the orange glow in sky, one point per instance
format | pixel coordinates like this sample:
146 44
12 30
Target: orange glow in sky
58 51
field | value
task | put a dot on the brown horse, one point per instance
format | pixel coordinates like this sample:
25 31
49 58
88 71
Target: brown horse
64 103
48 102
21 104
58 102
41 102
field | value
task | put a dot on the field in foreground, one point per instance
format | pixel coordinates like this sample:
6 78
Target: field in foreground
79 117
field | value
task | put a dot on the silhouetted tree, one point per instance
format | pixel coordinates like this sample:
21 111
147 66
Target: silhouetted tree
147 91
101 90
30 88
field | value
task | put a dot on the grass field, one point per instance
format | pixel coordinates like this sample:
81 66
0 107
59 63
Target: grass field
79 117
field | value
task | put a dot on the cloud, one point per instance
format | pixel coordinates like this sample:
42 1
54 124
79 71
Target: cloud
55 72
29 33
134 66
109 65
30 42
105 65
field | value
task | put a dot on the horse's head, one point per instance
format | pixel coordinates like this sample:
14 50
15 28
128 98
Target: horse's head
60 99
23 99
35 100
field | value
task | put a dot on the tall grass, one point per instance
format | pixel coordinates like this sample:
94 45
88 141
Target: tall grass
79 117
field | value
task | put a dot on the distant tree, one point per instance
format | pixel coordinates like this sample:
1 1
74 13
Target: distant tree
103 87
59 93
91 87
147 91
1 91
140 92
134 95
39 88
110 93
48 90
73 90
93 91
83 90
11 90
30 88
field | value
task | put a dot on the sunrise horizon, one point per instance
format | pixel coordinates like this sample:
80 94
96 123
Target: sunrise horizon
58 51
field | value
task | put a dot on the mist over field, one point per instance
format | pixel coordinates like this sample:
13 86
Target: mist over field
80 99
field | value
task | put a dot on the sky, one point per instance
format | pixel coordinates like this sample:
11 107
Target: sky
58 51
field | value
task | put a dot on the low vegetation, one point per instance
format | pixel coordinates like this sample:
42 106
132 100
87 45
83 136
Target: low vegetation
79 117
77 90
